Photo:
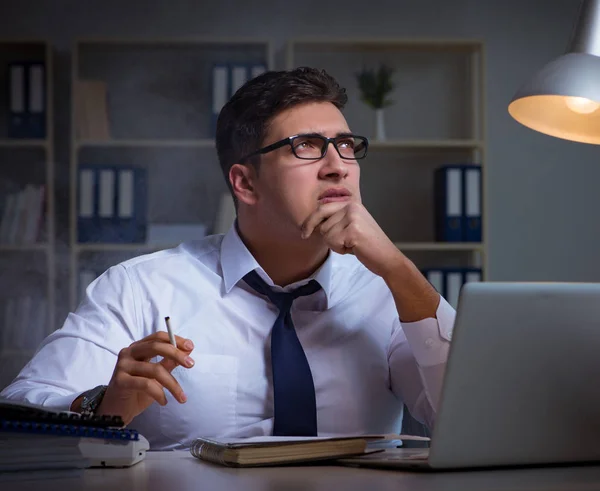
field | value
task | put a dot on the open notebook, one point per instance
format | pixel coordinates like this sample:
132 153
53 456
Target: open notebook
262 451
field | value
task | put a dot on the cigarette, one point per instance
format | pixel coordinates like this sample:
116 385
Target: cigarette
170 331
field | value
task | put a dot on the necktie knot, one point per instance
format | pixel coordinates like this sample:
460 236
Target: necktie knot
282 300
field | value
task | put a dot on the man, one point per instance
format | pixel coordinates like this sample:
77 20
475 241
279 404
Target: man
366 332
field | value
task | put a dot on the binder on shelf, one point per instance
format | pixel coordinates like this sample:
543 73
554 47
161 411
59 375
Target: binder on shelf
472 220
17 119
436 278
112 204
472 275
106 193
221 82
453 284
27 100
37 101
449 203
449 281
227 78
457 204
239 76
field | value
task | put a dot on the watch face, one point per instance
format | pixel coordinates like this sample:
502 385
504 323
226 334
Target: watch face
93 397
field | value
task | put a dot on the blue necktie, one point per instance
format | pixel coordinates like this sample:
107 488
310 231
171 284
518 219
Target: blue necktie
293 388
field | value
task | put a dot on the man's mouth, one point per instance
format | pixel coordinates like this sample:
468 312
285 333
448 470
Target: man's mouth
335 194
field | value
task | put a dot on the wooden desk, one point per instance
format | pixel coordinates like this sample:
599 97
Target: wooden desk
166 471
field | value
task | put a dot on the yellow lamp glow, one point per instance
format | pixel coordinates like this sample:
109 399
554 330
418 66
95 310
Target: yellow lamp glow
563 98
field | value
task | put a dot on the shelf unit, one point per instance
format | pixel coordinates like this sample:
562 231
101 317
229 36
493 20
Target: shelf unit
139 137
36 159
438 117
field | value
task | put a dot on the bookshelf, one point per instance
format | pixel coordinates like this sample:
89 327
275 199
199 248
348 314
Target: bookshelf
159 106
437 118
27 238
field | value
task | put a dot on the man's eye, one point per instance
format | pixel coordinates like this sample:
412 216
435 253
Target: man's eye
346 143
303 144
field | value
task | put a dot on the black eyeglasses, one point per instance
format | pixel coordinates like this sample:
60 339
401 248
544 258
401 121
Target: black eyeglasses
313 146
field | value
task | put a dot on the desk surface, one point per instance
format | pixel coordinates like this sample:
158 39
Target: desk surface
162 471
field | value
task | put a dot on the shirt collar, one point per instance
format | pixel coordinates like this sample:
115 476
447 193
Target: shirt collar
237 261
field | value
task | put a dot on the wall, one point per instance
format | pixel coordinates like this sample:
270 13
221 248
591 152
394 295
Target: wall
541 190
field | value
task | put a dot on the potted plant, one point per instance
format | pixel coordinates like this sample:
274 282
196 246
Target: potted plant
375 86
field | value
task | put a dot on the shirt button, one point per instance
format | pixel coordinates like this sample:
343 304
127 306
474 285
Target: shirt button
429 342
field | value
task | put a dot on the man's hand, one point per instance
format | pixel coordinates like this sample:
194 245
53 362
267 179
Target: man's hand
136 383
348 228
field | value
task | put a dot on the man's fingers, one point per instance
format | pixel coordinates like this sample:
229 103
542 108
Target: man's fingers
148 386
184 344
337 238
169 364
320 214
333 220
159 373
150 349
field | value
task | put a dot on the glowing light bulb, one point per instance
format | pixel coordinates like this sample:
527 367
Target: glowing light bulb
581 105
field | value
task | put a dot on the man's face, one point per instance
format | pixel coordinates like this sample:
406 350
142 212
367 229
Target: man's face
289 189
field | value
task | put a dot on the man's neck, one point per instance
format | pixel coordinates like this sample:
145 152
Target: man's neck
284 261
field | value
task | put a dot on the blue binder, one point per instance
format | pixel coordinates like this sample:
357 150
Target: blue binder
221 88
225 81
472 275
27 100
36 107
99 206
472 209
448 281
449 203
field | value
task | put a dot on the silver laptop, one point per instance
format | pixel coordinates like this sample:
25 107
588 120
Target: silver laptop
522 385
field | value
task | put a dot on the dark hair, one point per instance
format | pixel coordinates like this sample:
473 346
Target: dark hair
244 120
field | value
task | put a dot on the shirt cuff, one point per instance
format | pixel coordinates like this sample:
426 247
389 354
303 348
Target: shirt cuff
429 338
60 403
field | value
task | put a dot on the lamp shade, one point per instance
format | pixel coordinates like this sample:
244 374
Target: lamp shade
563 99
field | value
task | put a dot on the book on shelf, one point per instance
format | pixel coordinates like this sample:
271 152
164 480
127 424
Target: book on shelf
22 214
91 110
267 451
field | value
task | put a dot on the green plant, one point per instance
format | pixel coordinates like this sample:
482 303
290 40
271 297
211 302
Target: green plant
375 85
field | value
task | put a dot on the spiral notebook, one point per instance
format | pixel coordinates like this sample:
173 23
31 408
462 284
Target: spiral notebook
24 411
35 438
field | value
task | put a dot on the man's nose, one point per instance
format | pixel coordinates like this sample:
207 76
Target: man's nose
333 164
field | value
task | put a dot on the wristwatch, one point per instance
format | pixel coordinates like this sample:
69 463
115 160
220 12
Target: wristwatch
92 399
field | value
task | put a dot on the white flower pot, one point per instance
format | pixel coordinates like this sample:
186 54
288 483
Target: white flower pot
379 125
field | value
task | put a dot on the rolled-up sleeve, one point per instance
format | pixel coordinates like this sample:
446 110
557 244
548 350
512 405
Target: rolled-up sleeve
83 352
417 358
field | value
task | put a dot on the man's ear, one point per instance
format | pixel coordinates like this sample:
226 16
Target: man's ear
242 179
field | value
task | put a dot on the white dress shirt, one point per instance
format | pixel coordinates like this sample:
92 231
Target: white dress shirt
364 362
